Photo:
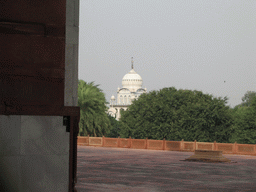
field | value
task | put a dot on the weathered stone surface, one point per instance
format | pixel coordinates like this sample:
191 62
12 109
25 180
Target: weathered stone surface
208 156
104 169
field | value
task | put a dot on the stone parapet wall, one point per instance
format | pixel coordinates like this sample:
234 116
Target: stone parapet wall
226 148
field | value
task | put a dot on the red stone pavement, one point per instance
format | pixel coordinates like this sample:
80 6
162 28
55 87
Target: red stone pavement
121 169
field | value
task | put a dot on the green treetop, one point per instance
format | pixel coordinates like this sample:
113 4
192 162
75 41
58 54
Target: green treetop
93 117
177 114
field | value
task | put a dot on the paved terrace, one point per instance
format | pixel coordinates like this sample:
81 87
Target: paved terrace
121 169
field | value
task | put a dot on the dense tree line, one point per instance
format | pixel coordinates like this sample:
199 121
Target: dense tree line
190 115
244 125
171 114
115 128
177 114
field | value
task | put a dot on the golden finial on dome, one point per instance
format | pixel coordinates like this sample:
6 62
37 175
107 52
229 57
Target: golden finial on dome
132 62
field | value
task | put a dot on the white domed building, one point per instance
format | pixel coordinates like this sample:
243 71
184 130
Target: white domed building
132 89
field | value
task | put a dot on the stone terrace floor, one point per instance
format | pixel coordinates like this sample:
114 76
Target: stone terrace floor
121 169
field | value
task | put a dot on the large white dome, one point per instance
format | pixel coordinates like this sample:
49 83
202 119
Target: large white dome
132 81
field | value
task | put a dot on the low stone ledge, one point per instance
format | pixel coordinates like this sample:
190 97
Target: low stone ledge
82 144
208 156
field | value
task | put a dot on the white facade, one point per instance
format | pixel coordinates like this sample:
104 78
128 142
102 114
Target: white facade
131 89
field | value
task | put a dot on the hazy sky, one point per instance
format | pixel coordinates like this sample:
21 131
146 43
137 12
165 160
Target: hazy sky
202 45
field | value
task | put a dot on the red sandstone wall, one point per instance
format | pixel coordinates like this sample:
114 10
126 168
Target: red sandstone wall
226 148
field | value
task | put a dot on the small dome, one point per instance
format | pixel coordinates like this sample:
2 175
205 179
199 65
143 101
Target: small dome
112 97
132 80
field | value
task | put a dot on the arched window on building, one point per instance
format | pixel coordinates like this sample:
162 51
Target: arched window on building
129 99
121 99
125 100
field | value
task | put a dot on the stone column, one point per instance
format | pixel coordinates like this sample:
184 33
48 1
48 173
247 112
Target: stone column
118 114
